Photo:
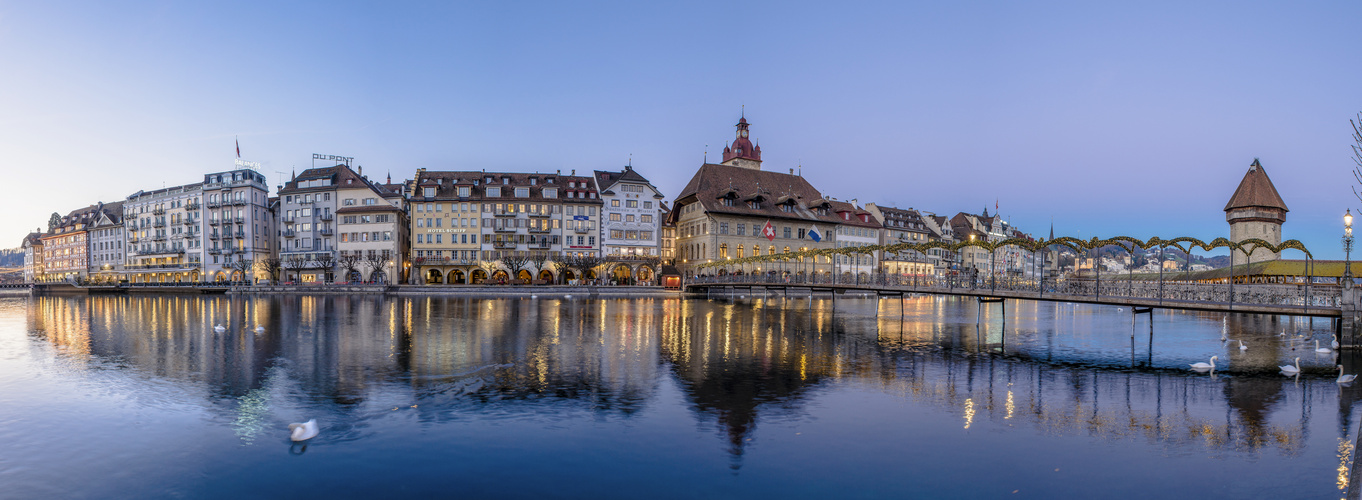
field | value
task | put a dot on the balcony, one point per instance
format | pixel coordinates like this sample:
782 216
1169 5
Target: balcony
239 201
326 231
212 222
214 236
328 217
133 239
288 233
240 234
503 213
158 237
504 229
158 211
188 236
539 229
160 251
240 220
228 251
214 204
192 206
158 223
189 222
214 251
503 244
540 245
582 230
539 214
288 219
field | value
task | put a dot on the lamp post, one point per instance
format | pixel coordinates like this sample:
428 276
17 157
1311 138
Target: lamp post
1348 249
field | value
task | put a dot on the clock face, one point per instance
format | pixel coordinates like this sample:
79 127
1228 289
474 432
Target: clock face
744 133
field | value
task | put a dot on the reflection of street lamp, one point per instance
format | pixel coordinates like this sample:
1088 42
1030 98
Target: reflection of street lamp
1348 249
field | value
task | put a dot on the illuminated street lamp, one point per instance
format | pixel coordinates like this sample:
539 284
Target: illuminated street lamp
1348 249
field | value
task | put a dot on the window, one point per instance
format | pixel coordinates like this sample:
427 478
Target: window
645 235
648 219
614 203
614 217
616 234
631 204
647 204
787 232
753 205
522 192
463 191
723 228
494 192
550 192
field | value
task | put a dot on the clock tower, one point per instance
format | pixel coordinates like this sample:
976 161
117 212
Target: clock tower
743 152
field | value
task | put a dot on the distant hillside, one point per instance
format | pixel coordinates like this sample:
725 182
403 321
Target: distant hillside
11 257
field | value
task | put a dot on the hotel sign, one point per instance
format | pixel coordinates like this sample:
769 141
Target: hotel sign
338 159
247 164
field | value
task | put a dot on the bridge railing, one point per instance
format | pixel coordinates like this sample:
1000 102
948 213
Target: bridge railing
1170 291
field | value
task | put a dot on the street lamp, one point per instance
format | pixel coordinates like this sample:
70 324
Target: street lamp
1348 249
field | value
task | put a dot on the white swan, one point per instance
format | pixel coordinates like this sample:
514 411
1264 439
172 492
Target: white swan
304 431
1242 347
259 328
1201 367
1343 379
1292 370
1333 343
219 328
568 296
1322 350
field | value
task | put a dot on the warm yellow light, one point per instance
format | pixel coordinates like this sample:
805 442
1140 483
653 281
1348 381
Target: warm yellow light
1348 218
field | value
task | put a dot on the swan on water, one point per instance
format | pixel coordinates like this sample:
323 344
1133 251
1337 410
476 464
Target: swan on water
259 329
1322 350
1292 370
1205 366
1242 347
1333 343
219 328
1343 379
304 431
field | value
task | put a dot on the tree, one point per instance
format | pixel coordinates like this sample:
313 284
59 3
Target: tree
488 266
514 263
243 266
1357 155
295 263
53 221
350 262
326 261
584 263
374 262
272 266
539 258
560 267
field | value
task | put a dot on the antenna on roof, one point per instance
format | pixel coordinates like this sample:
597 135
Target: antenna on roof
706 153
743 112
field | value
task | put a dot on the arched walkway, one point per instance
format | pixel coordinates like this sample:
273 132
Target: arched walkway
524 275
621 275
479 276
645 274
545 276
220 277
354 276
434 277
456 277
499 276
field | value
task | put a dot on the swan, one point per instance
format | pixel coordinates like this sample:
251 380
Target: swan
219 328
259 329
1205 366
1333 343
1292 370
304 431
1343 379
1242 347
1322 350
568 296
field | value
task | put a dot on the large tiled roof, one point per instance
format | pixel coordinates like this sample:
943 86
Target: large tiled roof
713 182
445 182
1256 190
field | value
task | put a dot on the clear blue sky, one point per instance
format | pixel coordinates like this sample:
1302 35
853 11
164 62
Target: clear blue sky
1135 119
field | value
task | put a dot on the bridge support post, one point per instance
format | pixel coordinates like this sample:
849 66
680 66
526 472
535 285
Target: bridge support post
1349 335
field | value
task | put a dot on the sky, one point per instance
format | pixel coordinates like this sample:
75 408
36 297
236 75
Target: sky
1103 118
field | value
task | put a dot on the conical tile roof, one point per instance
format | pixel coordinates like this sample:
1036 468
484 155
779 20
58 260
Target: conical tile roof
1256 190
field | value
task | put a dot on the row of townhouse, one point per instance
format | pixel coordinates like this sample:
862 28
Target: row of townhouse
334 224
734 209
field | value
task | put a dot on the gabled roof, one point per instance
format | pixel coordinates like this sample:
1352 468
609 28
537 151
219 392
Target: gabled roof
711 181
1256 190
606 180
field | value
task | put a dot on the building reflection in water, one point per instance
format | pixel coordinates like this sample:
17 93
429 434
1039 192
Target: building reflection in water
739 362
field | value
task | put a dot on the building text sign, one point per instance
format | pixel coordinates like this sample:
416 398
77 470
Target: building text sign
338 159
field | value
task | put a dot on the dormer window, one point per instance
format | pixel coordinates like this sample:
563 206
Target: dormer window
572 184
550 192
754 205
787 207
505 180
534 181
728 202
430 192
463 191
494 192
522 192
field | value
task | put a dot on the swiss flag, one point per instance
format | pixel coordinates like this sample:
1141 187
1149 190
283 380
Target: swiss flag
769 231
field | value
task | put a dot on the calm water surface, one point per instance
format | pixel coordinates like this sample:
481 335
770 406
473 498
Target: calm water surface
744 397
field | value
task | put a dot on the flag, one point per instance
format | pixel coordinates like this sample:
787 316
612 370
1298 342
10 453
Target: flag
995 206
769 231
813 233
238 148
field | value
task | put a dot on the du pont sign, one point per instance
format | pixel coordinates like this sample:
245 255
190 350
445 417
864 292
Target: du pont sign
338 159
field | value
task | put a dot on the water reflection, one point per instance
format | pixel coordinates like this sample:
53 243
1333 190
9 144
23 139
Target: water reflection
1058 369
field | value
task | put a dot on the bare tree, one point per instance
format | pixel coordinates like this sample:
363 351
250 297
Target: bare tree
243 266
539 258
1357 155
560 267
350 262
514 263
488 266
326 261
374 263
295 263
584 263
272 266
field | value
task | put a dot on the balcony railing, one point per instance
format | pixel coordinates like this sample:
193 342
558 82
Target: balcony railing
328 217
189 222
133 239
326 231
540 245
240 220
503 244
161 251
240 234
503 213
214 236
188 236
582 230
288 218
158 237
213 222
539 214
191 206
239 201
185 265
158 211
214 204
288 233
215 251
159 223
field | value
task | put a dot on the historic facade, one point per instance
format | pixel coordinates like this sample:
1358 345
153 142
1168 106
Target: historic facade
904 226
107 236
164 235
373 228
631 224
239 200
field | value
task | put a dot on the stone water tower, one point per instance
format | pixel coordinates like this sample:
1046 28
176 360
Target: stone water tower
1256 211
